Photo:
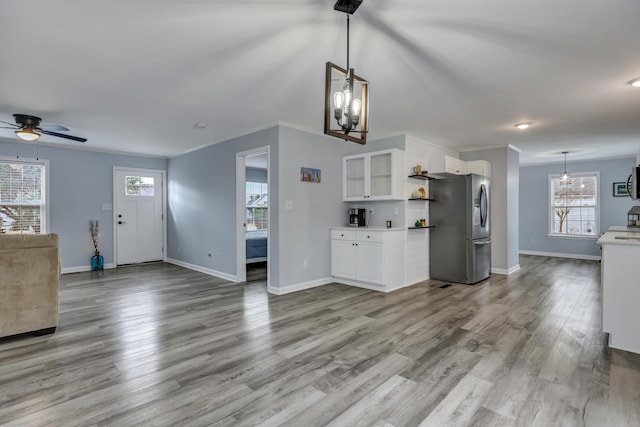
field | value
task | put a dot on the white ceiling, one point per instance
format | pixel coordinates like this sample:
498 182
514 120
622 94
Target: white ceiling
136 76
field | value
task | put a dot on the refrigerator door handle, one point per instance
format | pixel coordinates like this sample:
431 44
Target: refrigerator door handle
484 242
483 205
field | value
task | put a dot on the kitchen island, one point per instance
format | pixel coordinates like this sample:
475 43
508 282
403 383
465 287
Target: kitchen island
620 281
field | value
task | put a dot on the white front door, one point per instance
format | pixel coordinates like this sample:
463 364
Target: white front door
139 216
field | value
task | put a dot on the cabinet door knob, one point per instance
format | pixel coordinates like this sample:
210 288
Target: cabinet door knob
342 235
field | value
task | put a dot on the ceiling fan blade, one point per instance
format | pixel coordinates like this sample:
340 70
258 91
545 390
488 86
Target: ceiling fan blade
62 135
53 128
15 126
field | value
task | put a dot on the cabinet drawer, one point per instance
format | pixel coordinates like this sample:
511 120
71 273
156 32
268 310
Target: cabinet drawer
343 234
370 236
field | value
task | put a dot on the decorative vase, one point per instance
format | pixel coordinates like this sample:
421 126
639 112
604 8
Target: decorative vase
97 262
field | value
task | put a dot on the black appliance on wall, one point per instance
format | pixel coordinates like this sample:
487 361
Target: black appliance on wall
357 217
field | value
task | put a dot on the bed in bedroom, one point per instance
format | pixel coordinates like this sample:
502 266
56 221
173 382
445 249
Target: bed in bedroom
256 246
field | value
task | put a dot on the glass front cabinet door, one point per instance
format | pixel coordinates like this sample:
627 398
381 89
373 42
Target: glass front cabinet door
373 176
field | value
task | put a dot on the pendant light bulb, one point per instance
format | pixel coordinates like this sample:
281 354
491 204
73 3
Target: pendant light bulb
338 99
347 94
356 106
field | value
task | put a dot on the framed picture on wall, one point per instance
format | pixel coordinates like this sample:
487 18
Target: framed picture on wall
620 189
310 175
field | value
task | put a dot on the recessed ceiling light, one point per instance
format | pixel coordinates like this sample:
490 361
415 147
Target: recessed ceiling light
200 126
523 125
635 82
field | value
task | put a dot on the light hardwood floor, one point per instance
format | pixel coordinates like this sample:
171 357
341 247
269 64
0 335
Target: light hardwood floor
162 345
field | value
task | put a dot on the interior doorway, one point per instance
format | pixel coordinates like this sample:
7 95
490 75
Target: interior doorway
253 215
139 211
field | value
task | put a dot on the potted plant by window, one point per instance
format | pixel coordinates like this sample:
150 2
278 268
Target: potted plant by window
97 260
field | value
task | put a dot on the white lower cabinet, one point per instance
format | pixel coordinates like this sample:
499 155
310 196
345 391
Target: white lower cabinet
369 258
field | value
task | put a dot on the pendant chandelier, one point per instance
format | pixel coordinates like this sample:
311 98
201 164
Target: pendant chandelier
346 102
565 175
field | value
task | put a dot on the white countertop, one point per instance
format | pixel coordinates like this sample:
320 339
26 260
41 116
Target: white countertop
368 228
620 238
623 228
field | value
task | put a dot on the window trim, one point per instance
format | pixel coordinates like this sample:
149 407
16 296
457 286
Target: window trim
45 220
550 215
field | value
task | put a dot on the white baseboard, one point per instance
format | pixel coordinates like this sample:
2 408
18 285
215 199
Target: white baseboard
68 270
371 286
204 270
505 271
561 255
299 286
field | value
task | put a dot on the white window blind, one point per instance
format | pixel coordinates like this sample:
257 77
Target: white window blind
257 204
22 197
574 205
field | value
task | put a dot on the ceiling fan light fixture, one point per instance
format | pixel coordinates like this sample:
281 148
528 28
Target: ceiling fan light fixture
635 82
523 125
27 134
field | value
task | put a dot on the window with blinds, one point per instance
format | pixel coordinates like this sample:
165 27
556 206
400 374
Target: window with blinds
22 197
257 204
574 205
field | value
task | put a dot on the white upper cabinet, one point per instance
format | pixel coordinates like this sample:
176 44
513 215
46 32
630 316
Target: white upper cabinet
479 167
446 165
373 176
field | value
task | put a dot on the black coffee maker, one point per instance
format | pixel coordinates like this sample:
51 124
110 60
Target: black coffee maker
357 217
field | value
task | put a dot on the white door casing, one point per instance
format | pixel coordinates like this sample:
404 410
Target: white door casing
139 213
241 226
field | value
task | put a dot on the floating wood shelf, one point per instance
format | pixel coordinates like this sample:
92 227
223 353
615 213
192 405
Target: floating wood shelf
418 228
419 198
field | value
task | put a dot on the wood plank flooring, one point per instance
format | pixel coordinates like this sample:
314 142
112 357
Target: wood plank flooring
160 345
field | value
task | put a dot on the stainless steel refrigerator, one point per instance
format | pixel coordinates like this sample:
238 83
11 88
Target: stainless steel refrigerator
460 243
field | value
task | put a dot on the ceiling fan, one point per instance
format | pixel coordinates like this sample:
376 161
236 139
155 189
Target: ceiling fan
28 128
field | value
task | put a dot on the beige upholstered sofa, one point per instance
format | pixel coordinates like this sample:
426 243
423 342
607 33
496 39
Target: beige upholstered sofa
29 277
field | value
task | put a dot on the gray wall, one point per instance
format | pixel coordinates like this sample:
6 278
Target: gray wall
202 203
304 230
81 181
504 204
534 194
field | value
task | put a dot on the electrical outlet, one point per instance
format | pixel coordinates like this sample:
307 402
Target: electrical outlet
395 211
305 264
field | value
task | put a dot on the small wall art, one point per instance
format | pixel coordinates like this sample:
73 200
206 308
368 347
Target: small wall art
620 189
309 175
